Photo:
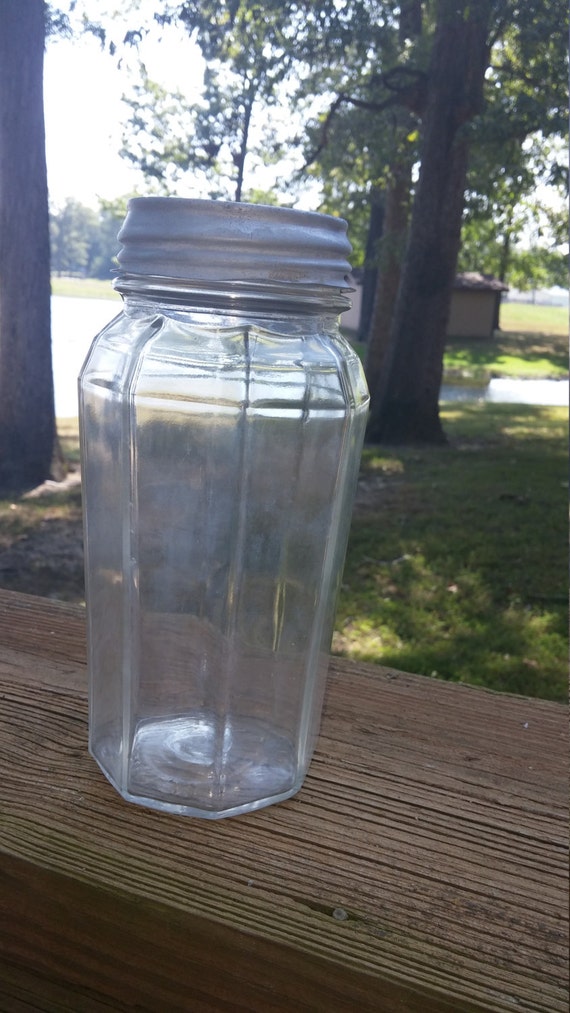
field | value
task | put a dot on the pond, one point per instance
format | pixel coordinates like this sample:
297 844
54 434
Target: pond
75 322
510 389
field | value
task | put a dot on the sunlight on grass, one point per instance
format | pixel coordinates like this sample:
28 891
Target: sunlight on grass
491 421
83 288
68 435
375 462
506 354
456 566
534 317
457 561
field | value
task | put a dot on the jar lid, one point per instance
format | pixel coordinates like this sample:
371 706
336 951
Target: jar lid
222 241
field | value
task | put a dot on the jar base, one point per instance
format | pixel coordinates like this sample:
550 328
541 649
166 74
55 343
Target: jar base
195 765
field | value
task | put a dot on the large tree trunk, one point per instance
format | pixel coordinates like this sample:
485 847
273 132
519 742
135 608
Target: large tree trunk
397 214
407 404
391 251
27 418
370 272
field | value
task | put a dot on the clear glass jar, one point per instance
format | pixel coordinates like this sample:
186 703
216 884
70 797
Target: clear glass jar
222 418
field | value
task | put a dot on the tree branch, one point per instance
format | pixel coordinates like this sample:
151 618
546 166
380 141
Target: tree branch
411 95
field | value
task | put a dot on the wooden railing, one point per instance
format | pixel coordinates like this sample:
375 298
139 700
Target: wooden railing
423 866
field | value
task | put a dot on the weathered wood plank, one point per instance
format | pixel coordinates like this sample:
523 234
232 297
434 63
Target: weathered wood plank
422 867
47 629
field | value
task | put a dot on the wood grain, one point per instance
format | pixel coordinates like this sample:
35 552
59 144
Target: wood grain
422 867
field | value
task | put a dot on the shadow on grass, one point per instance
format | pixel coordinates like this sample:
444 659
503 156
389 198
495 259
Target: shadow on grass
436 620
516 425
457 557
509 354
41 546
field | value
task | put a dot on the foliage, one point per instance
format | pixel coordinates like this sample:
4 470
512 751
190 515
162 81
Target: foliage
258 58
83 242
537 267
516 220
200 148
517 141
353 73
517 183
366 98
485 249
247 59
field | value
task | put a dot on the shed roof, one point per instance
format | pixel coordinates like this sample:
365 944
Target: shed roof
476 282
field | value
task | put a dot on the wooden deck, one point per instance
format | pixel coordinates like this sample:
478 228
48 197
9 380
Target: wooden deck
423 866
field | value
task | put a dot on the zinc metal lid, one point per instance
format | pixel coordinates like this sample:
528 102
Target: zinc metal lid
222 241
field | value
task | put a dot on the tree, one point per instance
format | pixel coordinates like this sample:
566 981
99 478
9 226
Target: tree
404 85
364 149
104 245
407 408
168 139
396 211
245 62
27 416
537 267
494 246
258 57
523 80
83 241
71 235
517 182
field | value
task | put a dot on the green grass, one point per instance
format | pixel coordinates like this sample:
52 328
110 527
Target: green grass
532 343
83 288
532 317
457 562
68 435
507 354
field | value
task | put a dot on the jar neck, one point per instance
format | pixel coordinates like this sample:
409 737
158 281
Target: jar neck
259 297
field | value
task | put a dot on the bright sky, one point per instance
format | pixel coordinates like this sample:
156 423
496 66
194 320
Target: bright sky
84 113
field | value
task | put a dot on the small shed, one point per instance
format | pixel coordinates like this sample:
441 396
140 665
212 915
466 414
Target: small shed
475 305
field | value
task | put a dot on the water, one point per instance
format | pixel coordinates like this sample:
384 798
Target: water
75 322
511 390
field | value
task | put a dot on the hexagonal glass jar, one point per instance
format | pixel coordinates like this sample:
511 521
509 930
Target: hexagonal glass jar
222 417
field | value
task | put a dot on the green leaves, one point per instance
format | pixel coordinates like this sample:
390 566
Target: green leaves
84 242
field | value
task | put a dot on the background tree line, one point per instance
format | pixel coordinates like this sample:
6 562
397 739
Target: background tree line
83 242
415 120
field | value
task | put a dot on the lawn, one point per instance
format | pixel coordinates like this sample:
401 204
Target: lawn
457 562
83 288
534 317
532 343
509 353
